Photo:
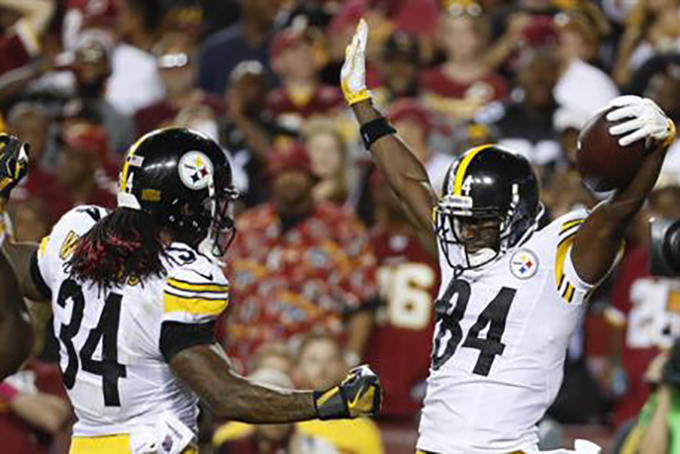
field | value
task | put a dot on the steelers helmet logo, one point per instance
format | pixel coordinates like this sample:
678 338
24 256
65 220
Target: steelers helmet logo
195 170
523 264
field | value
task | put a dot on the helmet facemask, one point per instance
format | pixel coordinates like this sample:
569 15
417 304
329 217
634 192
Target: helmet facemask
492 230
458 226
222 229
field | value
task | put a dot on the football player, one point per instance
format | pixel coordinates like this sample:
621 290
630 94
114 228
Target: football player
135 294
16 338
511 295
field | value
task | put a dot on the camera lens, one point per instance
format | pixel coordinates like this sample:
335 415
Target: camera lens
672 246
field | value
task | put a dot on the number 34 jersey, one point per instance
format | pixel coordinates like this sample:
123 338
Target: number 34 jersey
501 337
113 350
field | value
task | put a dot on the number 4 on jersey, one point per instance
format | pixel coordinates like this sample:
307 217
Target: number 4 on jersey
495 314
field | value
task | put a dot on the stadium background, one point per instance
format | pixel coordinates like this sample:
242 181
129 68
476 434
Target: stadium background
324 270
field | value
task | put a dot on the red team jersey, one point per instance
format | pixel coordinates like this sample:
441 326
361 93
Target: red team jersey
323 100
652 309
460 99
400 346
17 435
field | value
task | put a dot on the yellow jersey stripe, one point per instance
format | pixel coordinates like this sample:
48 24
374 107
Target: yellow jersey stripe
194 306
42 249
193 287
462 168
113 444
562 250
567 225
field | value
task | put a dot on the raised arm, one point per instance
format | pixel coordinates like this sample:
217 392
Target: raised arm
404 173
206 370
598 241
16 335
13 167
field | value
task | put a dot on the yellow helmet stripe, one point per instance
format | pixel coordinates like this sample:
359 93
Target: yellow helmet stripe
124 174
462 168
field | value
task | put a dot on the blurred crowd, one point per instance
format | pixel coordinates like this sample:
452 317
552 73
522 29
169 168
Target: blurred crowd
324 269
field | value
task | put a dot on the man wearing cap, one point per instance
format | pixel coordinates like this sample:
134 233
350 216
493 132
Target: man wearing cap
415 124
301 95
91 70
175 59
298 264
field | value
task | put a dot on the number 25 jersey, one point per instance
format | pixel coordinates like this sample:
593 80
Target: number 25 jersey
113 344
501 337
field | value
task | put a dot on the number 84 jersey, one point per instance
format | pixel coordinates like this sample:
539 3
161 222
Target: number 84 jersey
114 345
501 337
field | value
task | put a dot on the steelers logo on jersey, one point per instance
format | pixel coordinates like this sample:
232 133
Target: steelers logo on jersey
195 170
523 264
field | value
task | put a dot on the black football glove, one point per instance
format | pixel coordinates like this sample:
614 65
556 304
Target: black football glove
13 163
359 394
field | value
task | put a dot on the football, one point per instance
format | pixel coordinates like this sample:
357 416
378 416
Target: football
605 165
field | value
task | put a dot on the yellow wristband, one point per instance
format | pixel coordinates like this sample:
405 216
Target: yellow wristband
354 97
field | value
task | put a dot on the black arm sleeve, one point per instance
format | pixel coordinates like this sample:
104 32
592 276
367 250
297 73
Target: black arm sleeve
176 337
37 278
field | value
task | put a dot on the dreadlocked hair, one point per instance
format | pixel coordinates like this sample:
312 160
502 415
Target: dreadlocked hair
123 247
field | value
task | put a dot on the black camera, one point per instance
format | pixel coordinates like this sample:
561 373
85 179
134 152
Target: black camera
665 245
671 370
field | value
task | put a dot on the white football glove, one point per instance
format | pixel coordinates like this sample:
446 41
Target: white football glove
353 73
644 120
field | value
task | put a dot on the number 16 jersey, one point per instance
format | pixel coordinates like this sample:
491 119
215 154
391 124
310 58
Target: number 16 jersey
501 337
114 346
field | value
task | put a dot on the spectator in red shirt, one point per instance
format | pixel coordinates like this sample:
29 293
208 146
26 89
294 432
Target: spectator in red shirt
301 95
297 264
651 306
81 161
464 83
414 123
409 281
328 154
33 409
176 62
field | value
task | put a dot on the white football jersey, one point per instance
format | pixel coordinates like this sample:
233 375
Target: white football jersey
501 337
116 376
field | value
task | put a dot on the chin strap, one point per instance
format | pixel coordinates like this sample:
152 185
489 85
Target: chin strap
481 257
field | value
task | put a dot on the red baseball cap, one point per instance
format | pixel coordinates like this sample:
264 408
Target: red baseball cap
292 157
540 31
88 139
412 110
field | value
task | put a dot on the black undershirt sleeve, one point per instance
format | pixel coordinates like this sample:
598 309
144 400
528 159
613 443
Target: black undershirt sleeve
176 336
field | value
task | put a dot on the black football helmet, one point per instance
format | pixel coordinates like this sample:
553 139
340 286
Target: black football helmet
488 182
183 179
